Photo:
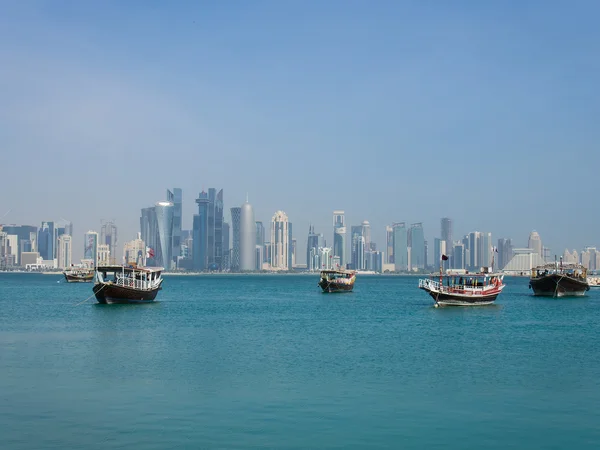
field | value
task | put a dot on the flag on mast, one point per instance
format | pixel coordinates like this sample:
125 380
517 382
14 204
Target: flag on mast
149 252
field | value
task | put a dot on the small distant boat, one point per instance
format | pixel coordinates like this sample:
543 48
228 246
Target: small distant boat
559 280
127 284
337 280
79 275
461 288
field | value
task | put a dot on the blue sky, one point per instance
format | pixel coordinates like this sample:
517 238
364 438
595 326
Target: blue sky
486 112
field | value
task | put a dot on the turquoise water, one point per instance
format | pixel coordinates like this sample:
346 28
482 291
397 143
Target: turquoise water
270 362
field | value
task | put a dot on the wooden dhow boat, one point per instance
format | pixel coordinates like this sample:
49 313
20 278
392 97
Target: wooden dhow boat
337 280
461 288
79 275
127 284
559 280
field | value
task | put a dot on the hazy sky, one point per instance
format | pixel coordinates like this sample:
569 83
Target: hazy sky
390 110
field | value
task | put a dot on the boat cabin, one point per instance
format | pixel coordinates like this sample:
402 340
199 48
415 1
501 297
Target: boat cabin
332 275
130 276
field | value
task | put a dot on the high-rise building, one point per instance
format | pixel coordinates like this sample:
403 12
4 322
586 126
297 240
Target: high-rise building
389 238
326 258
134 252
505 252
400 246
149 232
486 248
458 256
446 229
200 232
226 250
339 236
247 238
474 250
176 197
312 249
90 248
65 251
281 257
293 252
104 255
236 213
535 243
417 247
439 249
356 262
260 234
108 236
164 220
47 238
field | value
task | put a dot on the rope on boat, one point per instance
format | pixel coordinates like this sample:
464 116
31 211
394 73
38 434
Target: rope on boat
557 282
80 303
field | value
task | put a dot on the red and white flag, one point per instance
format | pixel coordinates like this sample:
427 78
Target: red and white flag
149 252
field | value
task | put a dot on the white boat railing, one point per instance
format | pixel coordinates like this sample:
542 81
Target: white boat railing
434 286
136 284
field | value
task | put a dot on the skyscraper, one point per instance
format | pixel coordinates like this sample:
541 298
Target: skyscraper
280 242
200 232
486 250
260 234
47 236
417 249
236 213
108 236
505 252
339 236
164 220
149 232
458 256
446 225
134 252
389 238
312 246
439 249
535 243
176 197
65 251
226 250
218 224
474 250
247 238
400 246
356 233
90 247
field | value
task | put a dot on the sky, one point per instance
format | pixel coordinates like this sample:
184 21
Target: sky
485 112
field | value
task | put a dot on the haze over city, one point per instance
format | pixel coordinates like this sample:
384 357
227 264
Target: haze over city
391 111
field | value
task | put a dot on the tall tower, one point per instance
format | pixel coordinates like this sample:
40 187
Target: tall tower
236 213
200 233
64 251
247 238
176 197
535 243
149 232
280 241
339 236
108 236
417 248
90 247
400 246
164 220
446 225
47 236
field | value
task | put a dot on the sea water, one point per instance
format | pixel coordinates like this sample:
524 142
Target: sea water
246 362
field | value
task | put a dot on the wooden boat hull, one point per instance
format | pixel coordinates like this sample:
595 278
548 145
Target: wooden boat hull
332 286
109 293
557 285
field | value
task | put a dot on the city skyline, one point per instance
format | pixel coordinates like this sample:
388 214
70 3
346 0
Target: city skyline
492 101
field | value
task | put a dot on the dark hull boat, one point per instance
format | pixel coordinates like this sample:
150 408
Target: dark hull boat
556 285
337 280
120 284
559 280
